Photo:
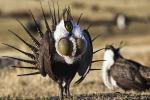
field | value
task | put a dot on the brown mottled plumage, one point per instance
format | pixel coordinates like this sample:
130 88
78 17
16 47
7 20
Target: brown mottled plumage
128 75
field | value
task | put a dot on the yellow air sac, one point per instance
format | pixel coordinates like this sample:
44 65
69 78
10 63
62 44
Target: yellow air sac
65 47
80 46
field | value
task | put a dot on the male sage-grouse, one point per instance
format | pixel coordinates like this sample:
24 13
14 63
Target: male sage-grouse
123 73
64 50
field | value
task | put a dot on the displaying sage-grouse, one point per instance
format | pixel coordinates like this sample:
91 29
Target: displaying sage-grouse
123 73
64 50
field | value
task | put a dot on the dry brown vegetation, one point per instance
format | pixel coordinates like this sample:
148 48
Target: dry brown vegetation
137 46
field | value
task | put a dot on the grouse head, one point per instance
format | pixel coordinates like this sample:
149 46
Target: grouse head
112 52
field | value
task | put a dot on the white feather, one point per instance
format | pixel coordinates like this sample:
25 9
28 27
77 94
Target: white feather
77 31
69 60
108 80
61 32
113 82
74 46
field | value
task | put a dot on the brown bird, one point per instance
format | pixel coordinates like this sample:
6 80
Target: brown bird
64 50
126 74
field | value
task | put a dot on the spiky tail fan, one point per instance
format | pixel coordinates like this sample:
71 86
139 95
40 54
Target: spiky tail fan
34 48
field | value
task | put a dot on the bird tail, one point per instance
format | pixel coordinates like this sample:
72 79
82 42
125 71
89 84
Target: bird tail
36 44
34 55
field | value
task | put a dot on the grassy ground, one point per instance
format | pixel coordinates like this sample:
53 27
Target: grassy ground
137 39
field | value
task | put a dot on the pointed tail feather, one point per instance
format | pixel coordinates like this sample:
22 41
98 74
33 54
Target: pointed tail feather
94 69
34 68
52 17
79 18
29 74
82 78
89 27
79 81
32 37
23 60
97 61
69 13
46 23
34 49
54 13
96 37
64 13
39 30
58 13
98 50
28 54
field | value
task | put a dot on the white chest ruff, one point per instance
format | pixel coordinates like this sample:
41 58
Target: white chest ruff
77 32
107 79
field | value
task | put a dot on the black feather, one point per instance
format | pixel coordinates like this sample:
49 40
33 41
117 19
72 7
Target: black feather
23 60
52 17
46 23
94 69
34 49
35 68
29 74
79 18
28 54
64 13
97 61
79 81
82 78
89 27
32 37
98 50
95 37
69 17
39 30
58 13
54 13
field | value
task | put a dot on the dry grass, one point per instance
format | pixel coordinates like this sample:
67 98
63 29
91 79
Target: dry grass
37 86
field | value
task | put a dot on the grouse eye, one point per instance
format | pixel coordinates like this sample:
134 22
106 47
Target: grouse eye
80 45
68 26
65 47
